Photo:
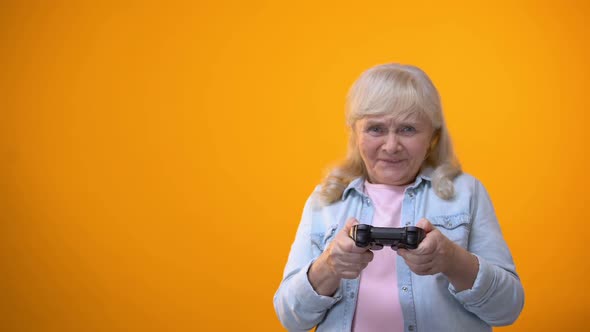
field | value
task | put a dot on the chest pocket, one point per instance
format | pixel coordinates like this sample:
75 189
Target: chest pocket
319 241
456 227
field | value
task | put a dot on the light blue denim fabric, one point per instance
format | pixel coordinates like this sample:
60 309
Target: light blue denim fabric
429 303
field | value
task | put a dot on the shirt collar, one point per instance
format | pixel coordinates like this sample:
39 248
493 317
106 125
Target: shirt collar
358 183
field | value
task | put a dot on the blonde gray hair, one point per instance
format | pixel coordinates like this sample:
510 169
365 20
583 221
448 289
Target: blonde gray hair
398 90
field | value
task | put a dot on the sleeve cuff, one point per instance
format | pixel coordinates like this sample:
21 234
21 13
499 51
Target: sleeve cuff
305 293
481 285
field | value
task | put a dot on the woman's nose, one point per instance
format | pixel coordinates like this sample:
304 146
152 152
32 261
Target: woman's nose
391 144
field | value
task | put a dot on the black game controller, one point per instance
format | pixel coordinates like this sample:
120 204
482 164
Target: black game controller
378 237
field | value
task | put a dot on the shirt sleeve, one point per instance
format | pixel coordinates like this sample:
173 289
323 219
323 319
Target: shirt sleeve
497 295
296 303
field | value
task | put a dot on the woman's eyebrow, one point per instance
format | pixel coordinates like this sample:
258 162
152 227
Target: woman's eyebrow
407 122
375 122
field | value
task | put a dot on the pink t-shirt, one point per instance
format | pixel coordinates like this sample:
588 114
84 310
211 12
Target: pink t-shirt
378 307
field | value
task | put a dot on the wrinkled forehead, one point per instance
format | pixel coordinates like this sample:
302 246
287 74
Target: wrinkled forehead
399 108
393 118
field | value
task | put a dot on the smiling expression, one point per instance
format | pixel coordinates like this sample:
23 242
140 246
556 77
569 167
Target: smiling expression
393 149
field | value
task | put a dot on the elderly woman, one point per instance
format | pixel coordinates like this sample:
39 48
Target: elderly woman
400 171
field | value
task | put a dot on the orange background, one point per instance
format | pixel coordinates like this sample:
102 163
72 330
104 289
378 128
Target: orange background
156 157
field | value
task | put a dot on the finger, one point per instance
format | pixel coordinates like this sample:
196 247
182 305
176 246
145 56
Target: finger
358 250
421 270
407 254
419 255
356 258
422 260
428 245
349 245
350 274
402 252
367 256
422 265
342 241
351 266
425 248
349 223
410 256
425 225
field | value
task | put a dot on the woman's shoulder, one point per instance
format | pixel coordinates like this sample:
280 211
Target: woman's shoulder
466 182
322 198
314 199
464 177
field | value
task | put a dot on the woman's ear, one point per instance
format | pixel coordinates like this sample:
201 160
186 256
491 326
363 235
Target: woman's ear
434 140
433 143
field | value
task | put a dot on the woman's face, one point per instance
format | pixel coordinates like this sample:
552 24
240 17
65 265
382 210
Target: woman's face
393 150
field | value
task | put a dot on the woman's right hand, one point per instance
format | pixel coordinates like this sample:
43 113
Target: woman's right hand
341 260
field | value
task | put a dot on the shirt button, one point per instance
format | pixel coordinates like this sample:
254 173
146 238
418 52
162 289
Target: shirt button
410 327
368 201
411 194
405 288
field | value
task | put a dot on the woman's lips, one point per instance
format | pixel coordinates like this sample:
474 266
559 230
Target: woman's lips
392 161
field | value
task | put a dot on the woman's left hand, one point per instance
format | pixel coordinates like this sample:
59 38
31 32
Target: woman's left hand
437 254
433 255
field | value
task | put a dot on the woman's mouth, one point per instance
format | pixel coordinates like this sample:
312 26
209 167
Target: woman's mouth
392 161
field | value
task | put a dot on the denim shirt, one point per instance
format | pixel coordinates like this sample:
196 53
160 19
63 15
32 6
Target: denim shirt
429 302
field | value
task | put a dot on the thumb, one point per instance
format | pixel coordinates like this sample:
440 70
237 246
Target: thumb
425 225
349 223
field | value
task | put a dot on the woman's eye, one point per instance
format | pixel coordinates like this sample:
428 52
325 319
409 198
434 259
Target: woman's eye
376 130
408 130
